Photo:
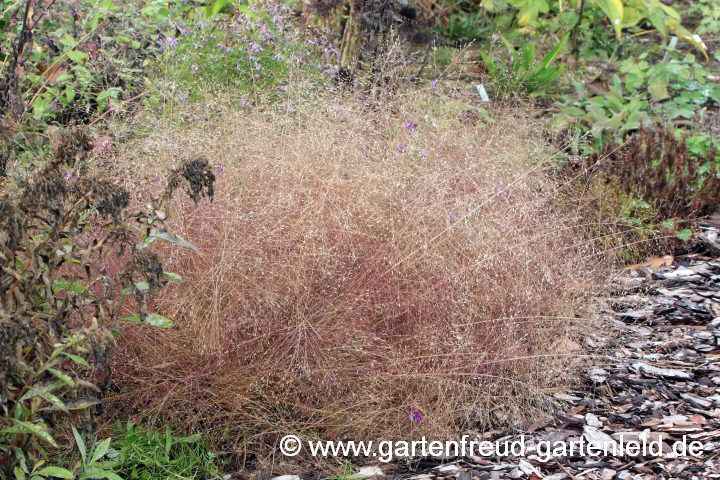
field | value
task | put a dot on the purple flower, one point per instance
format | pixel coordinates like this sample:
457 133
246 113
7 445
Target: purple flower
194 69
433 84
401 149
452 218
255 48
411 125
416 416
67 175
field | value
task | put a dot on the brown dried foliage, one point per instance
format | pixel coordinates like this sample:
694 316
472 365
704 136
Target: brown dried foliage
655 166
342 282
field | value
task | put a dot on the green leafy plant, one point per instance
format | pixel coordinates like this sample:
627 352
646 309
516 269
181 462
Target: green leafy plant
523 76
146 454
622 14
70 256
92 463
645 91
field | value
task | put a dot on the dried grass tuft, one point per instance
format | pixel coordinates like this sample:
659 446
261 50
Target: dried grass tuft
355 269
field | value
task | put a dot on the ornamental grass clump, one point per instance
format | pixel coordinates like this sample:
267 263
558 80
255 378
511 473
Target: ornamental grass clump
346 288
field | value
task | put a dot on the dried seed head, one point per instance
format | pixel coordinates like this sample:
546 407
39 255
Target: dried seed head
147 264
108 198
198 176
47 193
70 145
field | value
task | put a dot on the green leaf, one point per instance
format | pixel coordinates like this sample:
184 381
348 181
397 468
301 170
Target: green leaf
171 237
557 50
39 430
62 284
189 439
659 91
64 377
168 443
77 359
100 450
174 277
80 442
614 11
54 401
158 321
79 404
97 473
19 473
56 472
70 94
684 234
217 6
152 319
78 57
529 10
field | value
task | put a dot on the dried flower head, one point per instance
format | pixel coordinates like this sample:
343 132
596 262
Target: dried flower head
108 198
198 176
71 144
146 264
47 193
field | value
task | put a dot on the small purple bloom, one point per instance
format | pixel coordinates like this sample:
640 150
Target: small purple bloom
255 48
194 69
452 218
416 416
411 125
433 84
171 43
67 175
401 149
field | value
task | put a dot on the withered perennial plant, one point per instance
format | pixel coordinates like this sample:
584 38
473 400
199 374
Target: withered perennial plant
59 297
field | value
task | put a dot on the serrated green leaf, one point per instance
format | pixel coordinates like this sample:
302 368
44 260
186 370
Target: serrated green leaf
67 40
658 91
78 57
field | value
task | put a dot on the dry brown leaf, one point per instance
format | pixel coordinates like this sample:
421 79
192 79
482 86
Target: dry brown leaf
654 263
